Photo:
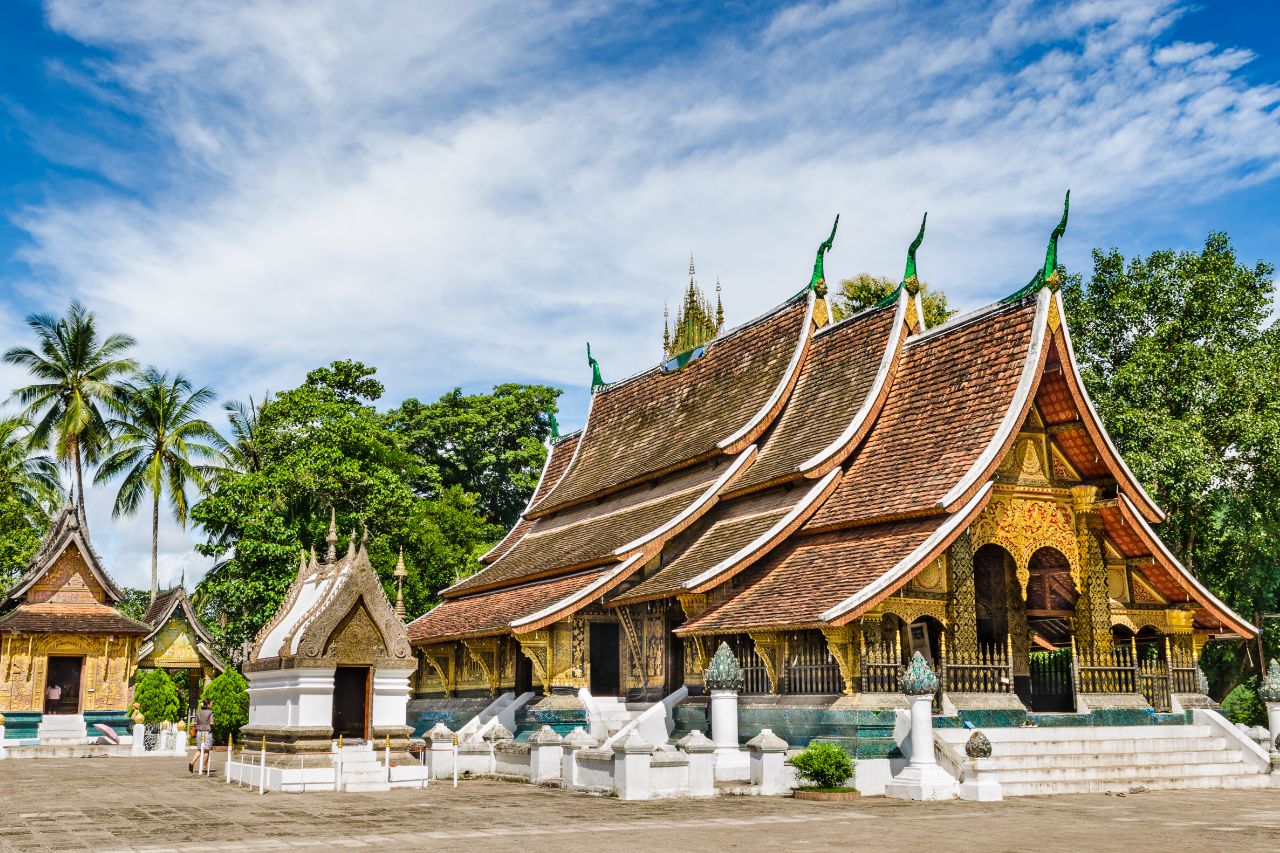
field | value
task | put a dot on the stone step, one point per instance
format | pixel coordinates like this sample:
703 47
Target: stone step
1098 786
366 787
1190 756
1125 746
1114 773
1079 733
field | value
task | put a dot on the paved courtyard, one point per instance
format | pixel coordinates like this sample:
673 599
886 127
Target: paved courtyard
155 805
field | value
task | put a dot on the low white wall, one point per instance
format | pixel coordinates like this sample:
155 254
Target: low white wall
295 697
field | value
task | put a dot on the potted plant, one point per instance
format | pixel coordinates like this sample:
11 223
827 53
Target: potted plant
826 768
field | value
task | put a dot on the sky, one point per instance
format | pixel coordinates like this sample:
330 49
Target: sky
463 194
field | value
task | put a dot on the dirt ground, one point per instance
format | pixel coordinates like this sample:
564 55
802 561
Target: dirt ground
155 805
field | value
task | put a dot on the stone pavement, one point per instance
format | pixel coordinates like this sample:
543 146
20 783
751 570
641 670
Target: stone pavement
155 805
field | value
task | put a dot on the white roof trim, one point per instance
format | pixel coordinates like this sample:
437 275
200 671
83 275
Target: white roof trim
740 461
886 362
924 327
569 600
1168 555
591 402
86 553
1084 393
1013 415
763 539
908 562
786 378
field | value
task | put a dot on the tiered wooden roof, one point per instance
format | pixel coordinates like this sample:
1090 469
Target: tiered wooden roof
174 603
818 468
65 589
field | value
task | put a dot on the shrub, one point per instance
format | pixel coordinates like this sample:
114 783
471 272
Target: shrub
1242 705
228 696
155 696
823 765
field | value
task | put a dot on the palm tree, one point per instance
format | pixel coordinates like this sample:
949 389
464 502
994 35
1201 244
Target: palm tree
75 374
242 452
156 435
26 475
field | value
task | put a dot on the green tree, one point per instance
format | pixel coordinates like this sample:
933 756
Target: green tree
156 696
76 375
29 491
324 445
1183 363
492 445
242 452
134 603
864 290
155 438
228 697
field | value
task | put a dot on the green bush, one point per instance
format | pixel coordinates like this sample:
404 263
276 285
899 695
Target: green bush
228 695
1242 705
156 696
823 765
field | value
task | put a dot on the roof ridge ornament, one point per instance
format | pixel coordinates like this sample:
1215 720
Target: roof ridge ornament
332 538
555 425
909 278
597 382
818 282
1047 276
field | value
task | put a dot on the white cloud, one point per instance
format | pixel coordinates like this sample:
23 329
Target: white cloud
460 195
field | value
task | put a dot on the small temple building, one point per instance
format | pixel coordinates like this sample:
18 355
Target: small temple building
67 655
333 662
179 644
828 499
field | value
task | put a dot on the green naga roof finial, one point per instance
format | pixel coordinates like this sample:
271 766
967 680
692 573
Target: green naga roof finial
1051 253
818 284
1048 276
596 381
555 425
909 276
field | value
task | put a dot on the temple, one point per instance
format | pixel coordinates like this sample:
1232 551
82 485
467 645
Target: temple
179 644
333 662
828 499
67 655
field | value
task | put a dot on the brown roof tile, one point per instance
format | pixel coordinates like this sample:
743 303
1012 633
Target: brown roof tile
589 534
492 612
660 421
838 373
950 395
557 461
808 575
726 529
61 618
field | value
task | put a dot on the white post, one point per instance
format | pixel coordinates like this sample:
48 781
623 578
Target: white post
262 774
386 757
632 758
139 739
544 755
455 761
573 741
439 739
702 763
3 753
724 720
226 767
768 756
422 781
922 779
1273 725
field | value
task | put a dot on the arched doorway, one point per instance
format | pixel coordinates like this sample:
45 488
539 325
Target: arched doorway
992 577
1051 599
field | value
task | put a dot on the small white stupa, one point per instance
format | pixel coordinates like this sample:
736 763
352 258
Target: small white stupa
335 659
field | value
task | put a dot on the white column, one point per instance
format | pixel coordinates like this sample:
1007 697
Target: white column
390 697
139 739
574 741
922 779
439 741
3 752
1273 724
724 720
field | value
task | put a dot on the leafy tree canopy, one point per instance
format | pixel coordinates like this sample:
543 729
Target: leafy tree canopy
491 445
324 445
1183 363
228 696
864 290
156 697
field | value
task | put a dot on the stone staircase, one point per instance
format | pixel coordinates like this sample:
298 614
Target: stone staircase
62 729
362 771
615 713
1086 759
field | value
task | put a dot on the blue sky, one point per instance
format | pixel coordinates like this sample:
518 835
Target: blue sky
462 194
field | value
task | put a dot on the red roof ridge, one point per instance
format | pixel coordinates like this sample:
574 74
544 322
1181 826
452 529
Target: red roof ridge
905 569
1197 590
746 556
834 453
1015 414
1094 426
